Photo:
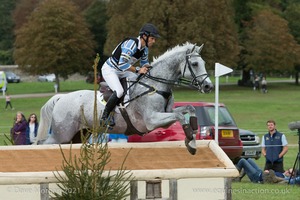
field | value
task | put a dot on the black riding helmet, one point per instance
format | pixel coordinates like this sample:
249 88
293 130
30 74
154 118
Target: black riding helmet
149 30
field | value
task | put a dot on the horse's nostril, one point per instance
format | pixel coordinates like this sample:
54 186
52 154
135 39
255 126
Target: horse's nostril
208 87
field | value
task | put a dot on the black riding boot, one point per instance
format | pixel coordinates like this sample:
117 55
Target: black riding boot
110 105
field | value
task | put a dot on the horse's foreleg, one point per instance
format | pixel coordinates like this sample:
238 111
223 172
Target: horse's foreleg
190 131
189 126
189 123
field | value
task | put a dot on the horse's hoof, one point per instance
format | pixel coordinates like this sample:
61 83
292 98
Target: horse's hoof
191 147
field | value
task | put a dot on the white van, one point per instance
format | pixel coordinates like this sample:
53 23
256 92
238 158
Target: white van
3 82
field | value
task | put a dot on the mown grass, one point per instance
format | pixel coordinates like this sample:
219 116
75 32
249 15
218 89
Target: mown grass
250 109
46 87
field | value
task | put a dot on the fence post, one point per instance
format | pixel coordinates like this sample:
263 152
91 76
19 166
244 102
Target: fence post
173 194
133 190
227 193
44 190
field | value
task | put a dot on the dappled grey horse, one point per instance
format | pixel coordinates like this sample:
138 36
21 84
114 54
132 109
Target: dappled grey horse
150 105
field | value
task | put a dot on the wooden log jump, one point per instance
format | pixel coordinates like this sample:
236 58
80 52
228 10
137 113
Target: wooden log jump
146 161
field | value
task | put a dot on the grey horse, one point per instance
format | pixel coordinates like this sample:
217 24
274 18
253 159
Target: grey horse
150 105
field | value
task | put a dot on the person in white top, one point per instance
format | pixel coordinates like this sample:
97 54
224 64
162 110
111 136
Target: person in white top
32 127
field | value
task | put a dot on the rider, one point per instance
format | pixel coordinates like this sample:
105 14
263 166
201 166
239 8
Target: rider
121 62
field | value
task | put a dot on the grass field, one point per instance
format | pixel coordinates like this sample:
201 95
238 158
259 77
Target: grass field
250 109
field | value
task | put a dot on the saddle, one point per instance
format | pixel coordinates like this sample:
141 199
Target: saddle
107 92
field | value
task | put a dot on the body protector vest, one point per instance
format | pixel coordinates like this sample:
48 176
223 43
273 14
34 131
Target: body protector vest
136 56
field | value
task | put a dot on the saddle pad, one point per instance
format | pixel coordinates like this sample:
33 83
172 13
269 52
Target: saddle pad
103 102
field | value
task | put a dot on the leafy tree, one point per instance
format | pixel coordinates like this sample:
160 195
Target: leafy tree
243 18
292 14
23 10
25 7
271 48
55 39
6 31
96 17
218 32
83 4
178 21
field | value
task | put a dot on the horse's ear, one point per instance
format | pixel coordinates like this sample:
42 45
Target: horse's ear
193 48
198 49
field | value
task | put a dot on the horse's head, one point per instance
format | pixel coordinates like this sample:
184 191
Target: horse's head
194 69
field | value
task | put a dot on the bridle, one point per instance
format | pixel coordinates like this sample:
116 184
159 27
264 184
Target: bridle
194 83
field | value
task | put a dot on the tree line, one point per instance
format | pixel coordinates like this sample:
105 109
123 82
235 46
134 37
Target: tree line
63 36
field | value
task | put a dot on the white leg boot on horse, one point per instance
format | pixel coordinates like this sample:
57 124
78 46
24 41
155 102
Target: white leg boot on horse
109 107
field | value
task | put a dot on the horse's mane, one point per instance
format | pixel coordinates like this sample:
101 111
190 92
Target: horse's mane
179 48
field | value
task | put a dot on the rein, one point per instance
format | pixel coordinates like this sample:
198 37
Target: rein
182 81
179 82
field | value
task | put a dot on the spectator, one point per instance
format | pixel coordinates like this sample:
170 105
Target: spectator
8 101
19 129
256 175
31 130
274 147
256 83
264 85
290 176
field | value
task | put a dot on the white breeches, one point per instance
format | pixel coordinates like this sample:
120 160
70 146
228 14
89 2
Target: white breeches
112 76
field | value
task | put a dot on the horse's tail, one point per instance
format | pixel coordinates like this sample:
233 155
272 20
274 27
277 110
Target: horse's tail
46 117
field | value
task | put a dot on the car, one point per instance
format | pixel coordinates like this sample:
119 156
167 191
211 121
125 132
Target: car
251 144
228 138
12 77
47 78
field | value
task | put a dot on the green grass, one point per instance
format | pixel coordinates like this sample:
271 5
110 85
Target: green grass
46 87
250 109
